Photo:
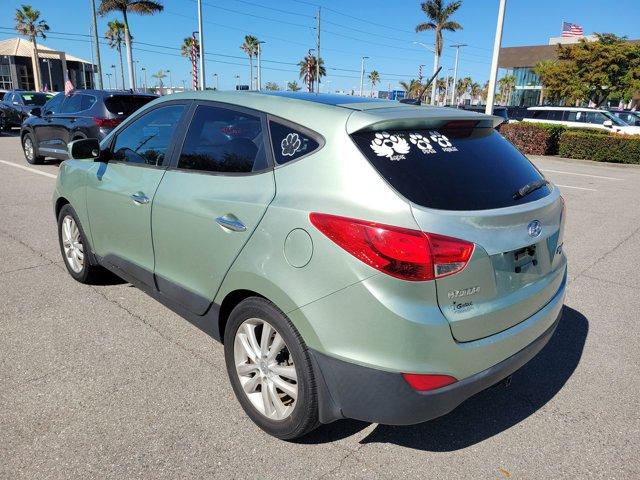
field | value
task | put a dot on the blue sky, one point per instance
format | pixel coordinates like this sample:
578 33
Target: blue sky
381 30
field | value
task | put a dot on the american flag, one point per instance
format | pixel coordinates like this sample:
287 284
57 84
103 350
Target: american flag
572 30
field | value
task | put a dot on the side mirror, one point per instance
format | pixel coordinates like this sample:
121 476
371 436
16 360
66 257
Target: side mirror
36 112
84 149
608 123
16 103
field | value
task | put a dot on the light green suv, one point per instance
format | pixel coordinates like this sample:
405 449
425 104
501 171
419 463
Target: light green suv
358 258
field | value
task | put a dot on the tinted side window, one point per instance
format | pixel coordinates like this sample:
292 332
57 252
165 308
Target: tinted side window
223 140
147 138
87 102
72 104
53 105
597 118
541 114
555 115
289 143
576 117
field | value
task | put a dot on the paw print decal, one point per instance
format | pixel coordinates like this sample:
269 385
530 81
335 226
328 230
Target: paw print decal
290 145
391 146
443 141
422 143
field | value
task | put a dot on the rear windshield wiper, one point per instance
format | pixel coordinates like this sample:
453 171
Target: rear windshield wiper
528 188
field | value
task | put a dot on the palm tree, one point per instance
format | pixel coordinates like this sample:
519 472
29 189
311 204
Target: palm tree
506 83
293 86
250 47
441 86
308 70
273 86
476 91
186 49
374 78
115 39
28 23
160 75
141 7
438 15
462 87
413 87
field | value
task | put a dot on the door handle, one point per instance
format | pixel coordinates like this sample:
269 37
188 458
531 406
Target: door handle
140 198
230 222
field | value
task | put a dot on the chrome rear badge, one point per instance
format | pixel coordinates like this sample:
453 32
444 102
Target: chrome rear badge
465 292
534 228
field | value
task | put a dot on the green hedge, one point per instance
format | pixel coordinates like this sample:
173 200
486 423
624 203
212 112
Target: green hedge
540 138
601 148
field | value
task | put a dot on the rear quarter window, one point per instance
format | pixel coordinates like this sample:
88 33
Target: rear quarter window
291 143
451 169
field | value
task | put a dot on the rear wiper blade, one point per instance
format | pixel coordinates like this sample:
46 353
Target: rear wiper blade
528 188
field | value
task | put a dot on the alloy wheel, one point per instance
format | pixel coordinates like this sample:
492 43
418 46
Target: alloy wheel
28 148
72 244
265 369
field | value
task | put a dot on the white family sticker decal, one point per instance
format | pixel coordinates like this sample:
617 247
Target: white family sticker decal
290 144
395 147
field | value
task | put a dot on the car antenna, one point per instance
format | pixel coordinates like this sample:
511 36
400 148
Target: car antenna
416 101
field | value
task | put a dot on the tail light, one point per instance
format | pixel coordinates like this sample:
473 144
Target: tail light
107 122
400 252
427 381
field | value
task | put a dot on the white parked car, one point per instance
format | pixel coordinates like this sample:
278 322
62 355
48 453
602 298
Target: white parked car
580 118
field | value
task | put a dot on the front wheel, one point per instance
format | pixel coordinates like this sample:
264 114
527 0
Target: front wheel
75 248
270 369
30 150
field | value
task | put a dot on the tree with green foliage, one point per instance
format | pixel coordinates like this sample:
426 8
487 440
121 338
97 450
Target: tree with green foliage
115 39
308 70
608 68
374 79
273 86
506 85
250 46
413 88
29 24
293 86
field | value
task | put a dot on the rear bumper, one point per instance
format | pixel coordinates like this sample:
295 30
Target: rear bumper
348 390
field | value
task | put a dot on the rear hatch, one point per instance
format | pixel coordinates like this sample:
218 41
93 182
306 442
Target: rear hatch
462 178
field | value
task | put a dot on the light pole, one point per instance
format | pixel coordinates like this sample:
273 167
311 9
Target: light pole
184 85
96 45
259 66
49 68
362 74
201 40
115 76
455 72
170 80
109 78
435 67
144 72
215 77
494 61
237 81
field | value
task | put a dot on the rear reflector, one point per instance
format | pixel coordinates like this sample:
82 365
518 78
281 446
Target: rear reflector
425 382
400 252
107 122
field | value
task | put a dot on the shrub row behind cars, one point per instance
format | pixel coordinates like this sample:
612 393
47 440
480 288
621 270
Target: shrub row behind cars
601 148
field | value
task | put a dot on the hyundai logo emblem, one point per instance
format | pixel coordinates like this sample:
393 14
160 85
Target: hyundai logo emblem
534 228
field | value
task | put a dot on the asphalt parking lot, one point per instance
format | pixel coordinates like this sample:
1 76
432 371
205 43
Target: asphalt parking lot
103 382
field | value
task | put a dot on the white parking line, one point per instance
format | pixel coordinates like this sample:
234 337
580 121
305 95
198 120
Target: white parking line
580 174
29 169
577 188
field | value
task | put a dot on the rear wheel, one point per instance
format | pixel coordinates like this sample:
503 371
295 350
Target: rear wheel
270 369
30 150
75 249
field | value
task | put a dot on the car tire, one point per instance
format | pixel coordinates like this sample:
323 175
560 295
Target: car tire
30 150
281 414
75 248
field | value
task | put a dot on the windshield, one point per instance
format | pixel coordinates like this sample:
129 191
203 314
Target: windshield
616 121
35 99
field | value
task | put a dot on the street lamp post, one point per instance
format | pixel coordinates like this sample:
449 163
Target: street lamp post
49 68
215 77
362 75
144 72
170 80
115 76
494 61
237 81
259 65
109 78
455 72
435 67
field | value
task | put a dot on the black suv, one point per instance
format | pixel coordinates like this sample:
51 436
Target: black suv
16 105
82 114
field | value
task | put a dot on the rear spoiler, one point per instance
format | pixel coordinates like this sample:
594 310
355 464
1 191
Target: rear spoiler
416 117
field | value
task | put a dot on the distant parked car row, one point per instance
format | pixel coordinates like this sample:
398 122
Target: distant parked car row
16 105
578 117
49 127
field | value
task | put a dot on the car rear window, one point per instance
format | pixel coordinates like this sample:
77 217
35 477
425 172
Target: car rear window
453 168
126 104
37 99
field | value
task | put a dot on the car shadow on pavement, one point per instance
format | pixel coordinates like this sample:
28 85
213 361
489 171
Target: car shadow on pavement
491 411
